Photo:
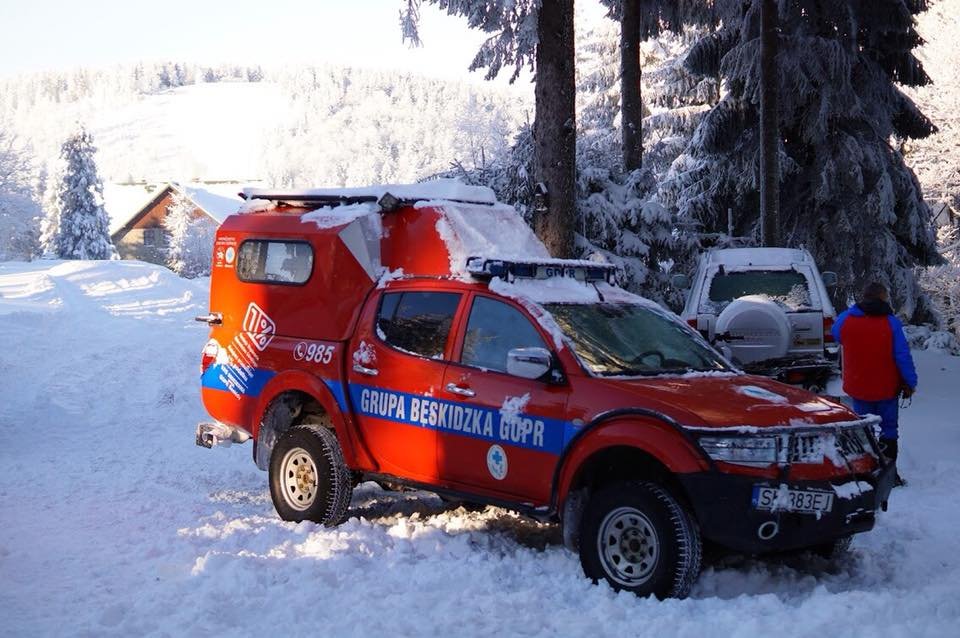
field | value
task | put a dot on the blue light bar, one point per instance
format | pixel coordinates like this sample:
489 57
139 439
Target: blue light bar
587 271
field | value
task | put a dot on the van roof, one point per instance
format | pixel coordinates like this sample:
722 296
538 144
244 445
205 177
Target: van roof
758 256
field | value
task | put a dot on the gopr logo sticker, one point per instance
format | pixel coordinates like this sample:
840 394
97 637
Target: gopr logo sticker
497 462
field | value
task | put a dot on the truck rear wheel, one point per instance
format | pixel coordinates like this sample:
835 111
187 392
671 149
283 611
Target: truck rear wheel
639 538
309 480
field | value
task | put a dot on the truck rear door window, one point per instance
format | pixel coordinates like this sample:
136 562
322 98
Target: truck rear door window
275 262
417 322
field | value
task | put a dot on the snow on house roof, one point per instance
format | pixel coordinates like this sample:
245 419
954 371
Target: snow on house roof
125 202
218 201
437 189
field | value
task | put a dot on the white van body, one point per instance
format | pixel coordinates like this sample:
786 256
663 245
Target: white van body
768 303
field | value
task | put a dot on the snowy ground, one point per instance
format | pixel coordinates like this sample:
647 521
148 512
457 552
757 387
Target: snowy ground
112 522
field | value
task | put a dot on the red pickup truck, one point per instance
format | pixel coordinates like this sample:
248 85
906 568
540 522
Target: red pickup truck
431 342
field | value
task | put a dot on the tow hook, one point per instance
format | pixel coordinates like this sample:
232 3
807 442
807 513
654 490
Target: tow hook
210 434
768 530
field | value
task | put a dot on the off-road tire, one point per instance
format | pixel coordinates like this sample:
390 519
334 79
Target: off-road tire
314 451
639 538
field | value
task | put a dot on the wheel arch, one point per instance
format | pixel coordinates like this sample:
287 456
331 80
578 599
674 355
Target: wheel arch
312 396
627 444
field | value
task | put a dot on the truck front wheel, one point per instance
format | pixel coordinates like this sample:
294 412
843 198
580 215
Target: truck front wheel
309 480
639 538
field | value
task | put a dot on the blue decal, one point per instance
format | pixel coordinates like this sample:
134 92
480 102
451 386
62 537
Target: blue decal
336 389
238 380
455 417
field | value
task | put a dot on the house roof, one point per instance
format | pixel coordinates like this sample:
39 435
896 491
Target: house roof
127 203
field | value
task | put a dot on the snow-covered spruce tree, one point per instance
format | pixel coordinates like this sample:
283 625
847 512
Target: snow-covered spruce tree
83 231
640 21
18 206
189 238
846 193
617 213
541 35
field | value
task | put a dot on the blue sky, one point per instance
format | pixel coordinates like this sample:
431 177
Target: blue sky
55 34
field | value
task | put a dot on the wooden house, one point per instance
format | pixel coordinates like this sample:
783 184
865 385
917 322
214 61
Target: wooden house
137 229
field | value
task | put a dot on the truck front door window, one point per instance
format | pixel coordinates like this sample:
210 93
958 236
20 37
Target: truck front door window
495 328
417 322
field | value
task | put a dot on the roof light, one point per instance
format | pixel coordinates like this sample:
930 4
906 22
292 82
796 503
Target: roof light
586 271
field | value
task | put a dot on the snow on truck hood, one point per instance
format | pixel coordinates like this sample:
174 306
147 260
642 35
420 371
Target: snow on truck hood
729 401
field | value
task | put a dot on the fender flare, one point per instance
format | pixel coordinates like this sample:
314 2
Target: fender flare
300 381
695 457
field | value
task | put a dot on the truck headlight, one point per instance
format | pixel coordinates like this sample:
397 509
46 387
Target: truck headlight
757 451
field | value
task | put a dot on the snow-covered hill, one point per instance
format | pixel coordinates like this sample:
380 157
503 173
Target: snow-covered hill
295 126
115 523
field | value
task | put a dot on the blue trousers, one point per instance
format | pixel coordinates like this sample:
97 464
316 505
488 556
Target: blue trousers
888 411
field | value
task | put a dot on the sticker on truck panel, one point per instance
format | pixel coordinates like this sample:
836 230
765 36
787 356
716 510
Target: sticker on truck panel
225 252
313 352
460 418
239 375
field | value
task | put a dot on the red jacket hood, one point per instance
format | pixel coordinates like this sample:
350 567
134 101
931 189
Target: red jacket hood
726 401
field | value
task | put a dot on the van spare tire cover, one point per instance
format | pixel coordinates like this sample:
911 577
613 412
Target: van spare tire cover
763 325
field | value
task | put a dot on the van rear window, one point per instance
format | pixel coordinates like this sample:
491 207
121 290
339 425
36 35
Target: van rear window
275 262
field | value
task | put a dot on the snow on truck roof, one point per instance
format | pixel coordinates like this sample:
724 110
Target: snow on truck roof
437 189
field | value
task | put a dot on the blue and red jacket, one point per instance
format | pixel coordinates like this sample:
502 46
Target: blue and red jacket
876 356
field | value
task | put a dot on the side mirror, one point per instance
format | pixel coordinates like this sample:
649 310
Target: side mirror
529 363
829 279
680 282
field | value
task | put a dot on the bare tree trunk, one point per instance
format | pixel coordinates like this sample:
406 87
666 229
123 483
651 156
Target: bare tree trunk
631 105
554 129
769 129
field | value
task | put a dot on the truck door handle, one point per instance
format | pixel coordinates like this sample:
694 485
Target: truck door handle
214 318
370 372
453 388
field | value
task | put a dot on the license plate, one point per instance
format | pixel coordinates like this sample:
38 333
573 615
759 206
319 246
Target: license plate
775 499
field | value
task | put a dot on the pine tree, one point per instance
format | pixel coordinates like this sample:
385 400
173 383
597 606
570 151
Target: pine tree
83 227
541 36
18 206
189 238
846 193
642 20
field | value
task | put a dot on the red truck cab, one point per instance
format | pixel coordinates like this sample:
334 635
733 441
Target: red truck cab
422 336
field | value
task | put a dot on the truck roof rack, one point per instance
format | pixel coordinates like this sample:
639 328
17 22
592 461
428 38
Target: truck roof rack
387 201
581 270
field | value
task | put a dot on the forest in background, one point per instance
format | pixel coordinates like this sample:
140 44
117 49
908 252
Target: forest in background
338 126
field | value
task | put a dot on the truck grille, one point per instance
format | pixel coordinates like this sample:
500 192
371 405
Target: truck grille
840 447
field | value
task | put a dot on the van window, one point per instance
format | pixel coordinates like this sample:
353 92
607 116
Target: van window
417 322
493 330
788 288
275 262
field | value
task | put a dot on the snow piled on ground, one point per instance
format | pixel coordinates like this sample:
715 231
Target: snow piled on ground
115 523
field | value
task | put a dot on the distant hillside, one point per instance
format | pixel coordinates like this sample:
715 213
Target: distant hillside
298 126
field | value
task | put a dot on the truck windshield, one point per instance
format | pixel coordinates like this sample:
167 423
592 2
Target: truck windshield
629 339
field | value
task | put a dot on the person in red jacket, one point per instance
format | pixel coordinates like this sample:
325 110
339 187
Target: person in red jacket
877 366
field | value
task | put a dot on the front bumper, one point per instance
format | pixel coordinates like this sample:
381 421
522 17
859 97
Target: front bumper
723 505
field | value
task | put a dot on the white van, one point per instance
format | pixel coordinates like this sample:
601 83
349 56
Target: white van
768 308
